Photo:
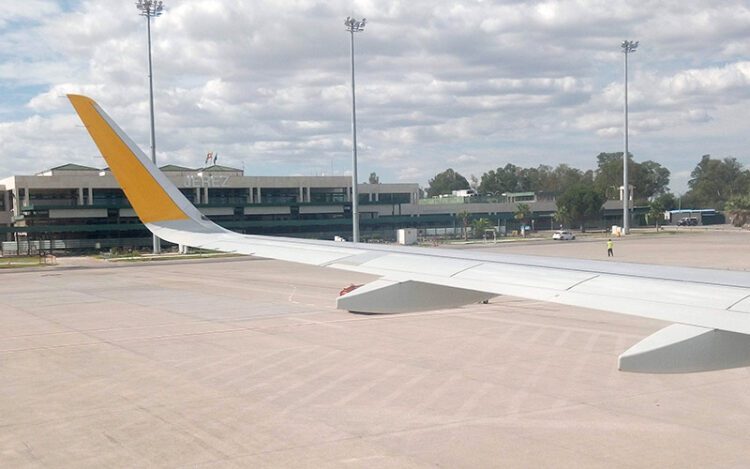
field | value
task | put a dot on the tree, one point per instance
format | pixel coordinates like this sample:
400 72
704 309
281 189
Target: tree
689 200
562 216
522 213
649 179
501 180
531 179
479 226
474 182
374 179
713 182
655 213
609 173
580 203
654 178
667 200
464 217
446 182
543 178
563 177
738 208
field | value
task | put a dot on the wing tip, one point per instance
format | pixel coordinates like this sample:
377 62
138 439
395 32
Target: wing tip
78 97
78 100
153 197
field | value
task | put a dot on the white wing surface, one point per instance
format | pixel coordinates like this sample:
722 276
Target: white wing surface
710 308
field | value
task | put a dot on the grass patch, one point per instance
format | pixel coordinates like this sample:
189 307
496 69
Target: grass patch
140 257
22 261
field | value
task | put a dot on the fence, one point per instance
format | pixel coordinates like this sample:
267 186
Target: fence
16 248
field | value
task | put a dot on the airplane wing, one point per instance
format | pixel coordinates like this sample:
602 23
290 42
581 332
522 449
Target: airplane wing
709 308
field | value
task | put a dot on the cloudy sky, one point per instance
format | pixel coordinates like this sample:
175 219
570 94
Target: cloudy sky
471 85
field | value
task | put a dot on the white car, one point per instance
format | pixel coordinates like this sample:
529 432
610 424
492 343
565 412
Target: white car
563 235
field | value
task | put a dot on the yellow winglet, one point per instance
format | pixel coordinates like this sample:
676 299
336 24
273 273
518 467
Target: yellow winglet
134 172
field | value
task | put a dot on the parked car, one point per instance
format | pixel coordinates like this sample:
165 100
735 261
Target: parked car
563 235
692 221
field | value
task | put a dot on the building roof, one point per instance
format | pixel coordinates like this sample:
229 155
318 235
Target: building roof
218 168
694 210
174 167
518 194
68 169
73 167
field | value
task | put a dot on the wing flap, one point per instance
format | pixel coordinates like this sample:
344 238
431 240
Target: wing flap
392 296
681 348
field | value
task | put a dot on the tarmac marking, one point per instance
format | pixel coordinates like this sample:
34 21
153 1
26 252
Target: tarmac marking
474 399
305 355
318 375
550 326
333 383
434 395
397 392
317 323
372 384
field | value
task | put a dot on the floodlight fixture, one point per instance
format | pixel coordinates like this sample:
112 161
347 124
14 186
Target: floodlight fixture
629 46
150 8
355 26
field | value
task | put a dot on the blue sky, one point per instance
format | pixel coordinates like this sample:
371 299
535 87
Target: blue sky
471 85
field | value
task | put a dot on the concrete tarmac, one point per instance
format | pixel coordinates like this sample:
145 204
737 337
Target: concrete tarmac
246 363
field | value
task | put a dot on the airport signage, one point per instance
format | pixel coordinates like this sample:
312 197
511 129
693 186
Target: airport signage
207 180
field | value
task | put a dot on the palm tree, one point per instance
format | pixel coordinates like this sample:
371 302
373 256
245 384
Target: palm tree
523 213
480 226
655 213
464 216
738 208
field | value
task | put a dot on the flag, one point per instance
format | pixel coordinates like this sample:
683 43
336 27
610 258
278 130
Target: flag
209 156
216 155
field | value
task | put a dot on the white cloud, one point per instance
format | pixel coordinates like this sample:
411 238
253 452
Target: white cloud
27 10
729 80
493 82
466 158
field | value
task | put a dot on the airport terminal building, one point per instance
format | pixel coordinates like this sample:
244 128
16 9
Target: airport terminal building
79 207
74 208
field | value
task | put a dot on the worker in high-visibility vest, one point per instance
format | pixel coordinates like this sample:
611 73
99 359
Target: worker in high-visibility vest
610 245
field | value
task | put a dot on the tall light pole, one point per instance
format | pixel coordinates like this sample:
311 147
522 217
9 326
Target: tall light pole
151 9
628 47
354 26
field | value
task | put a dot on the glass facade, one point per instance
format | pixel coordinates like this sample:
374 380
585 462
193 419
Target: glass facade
296 206
109 198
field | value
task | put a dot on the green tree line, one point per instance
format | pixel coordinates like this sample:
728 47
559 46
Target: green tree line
714 183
